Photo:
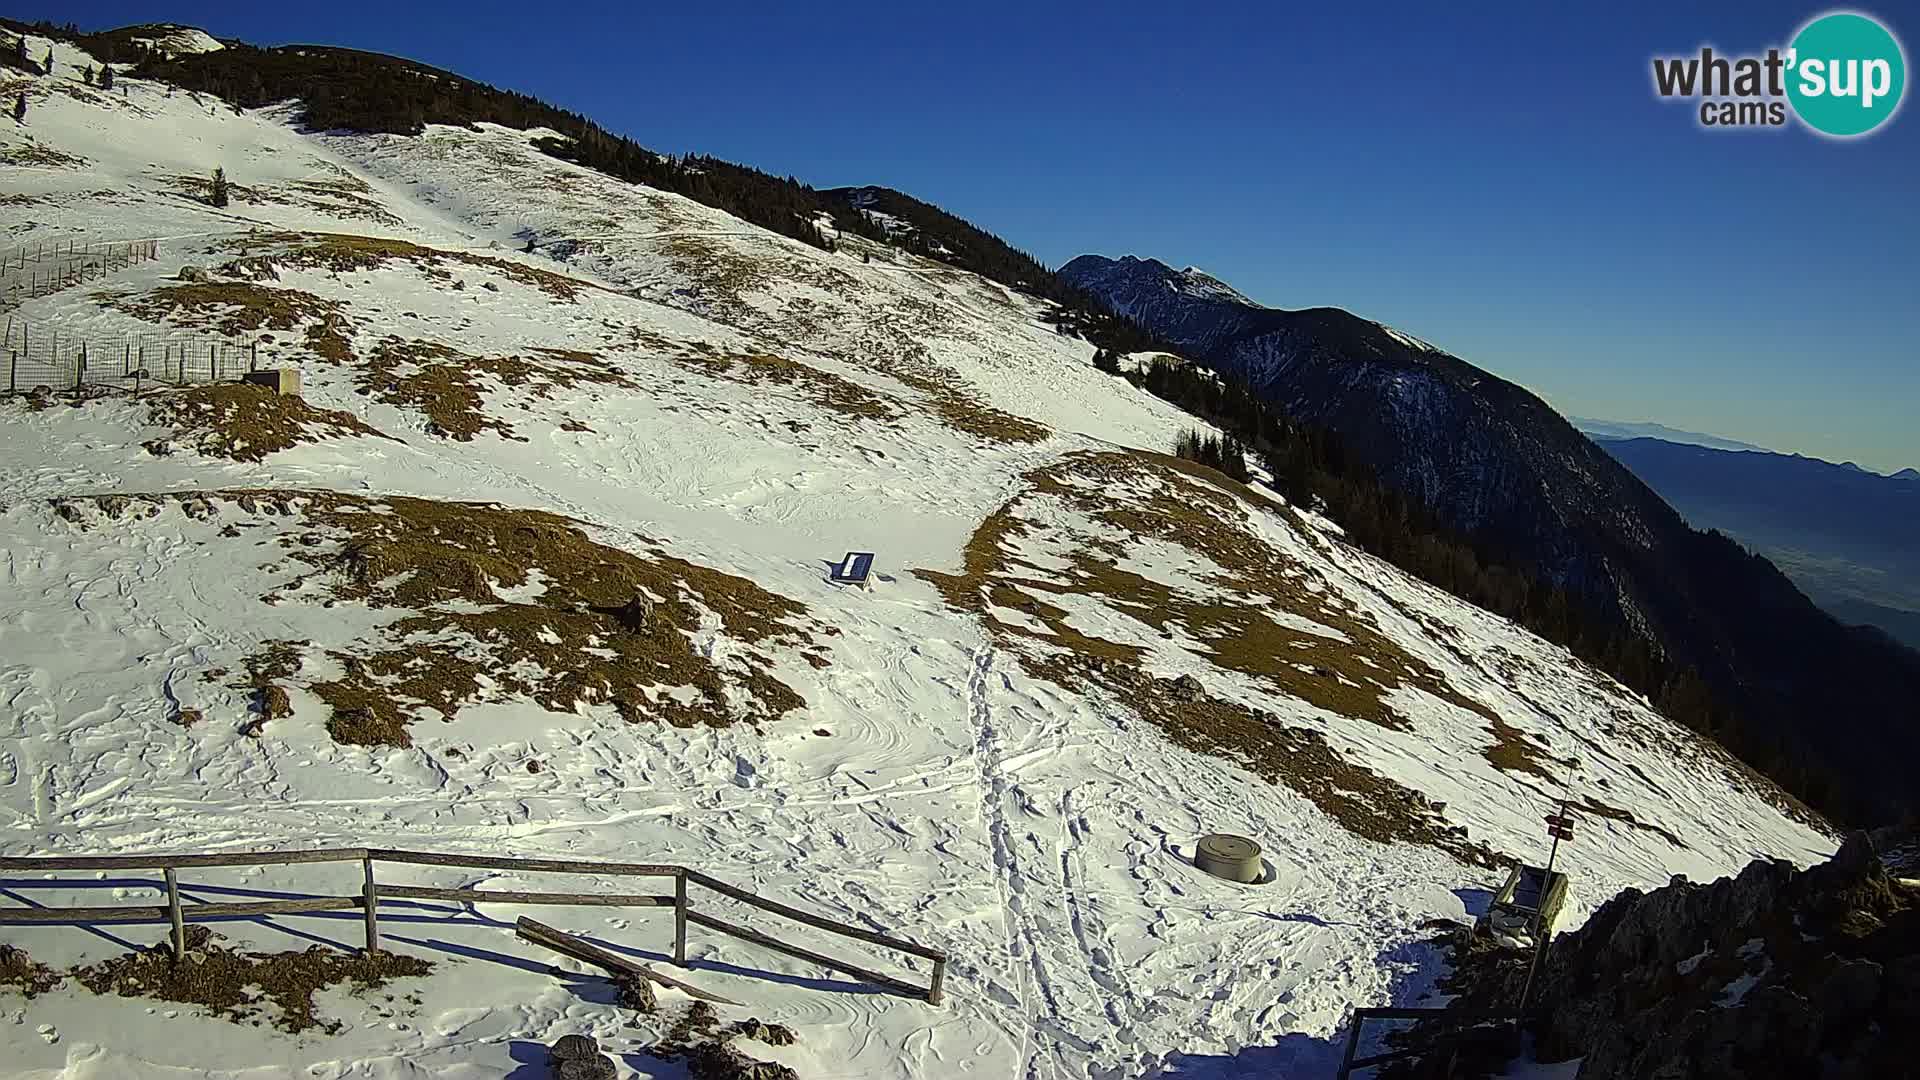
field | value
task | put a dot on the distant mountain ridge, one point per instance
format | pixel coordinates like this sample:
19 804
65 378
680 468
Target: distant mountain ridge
1850 538
1622 429
1496 462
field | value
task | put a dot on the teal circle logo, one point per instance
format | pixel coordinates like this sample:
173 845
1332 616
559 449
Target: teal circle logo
1846 74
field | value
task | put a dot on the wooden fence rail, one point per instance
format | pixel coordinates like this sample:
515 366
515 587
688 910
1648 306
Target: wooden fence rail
178 915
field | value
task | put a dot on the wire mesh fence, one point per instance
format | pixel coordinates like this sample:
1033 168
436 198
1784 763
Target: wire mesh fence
44 267
41 356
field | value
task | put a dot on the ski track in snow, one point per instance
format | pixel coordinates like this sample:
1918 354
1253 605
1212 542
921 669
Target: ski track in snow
1040 834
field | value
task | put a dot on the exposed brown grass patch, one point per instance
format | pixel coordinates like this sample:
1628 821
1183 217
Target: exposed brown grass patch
448 386
34 155
20 972
976 418
610 627
238 308
276 988
1137 495
824 389
1590 805
1516 751
246 422
1362 801
345 253
342 195
1191 507
277 661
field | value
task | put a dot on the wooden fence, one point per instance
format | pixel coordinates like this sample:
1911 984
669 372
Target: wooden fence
42 268
371 893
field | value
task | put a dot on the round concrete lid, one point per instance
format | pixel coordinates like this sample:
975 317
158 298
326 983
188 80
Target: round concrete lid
1229 848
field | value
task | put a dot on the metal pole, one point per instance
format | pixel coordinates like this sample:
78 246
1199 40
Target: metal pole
680 919
174 916
1539 946
369 898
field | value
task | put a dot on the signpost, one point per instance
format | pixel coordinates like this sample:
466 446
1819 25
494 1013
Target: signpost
1560 827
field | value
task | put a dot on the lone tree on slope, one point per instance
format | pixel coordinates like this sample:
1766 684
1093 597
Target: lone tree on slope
20 108
20 53
220 185
88 74
106 77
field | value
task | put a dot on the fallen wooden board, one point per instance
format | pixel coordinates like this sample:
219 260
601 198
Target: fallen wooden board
581 949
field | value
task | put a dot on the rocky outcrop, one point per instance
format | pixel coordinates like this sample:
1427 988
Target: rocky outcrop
1775 972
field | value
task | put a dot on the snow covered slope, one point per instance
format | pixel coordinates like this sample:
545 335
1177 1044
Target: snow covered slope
233 621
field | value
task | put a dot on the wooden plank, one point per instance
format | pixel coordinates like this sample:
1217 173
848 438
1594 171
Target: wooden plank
816 921
173 915
898 986
556 866
161 861
587 952
370 904
680 919
483 896
297 906
122 914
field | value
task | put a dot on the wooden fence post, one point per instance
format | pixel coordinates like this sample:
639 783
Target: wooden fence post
369 899
174 916
13 372
936 988
80 369
680 919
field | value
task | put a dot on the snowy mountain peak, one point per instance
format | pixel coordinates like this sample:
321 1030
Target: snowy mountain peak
174 40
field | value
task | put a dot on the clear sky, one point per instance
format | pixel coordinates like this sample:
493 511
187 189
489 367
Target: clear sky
1501 182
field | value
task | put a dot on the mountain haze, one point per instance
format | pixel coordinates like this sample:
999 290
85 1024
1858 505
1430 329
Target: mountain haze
1849 538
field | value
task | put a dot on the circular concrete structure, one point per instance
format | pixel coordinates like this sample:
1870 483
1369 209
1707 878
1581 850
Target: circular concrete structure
1234 858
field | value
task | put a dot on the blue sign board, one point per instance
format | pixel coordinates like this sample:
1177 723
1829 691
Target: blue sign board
855 568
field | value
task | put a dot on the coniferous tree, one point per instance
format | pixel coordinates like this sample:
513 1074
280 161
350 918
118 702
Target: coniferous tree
20 52
220 186
49 63
106 77
20 108
88 74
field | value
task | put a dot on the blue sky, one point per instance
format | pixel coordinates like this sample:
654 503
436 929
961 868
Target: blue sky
1500 182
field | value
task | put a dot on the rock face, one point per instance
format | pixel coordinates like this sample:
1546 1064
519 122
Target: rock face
1776 972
